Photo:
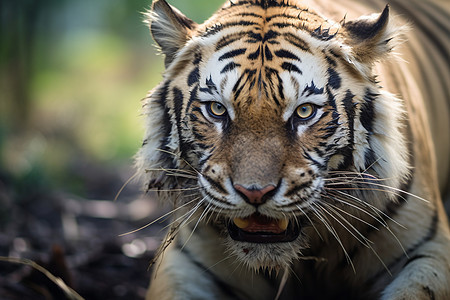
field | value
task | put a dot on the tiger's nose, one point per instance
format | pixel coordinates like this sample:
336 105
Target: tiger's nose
254 196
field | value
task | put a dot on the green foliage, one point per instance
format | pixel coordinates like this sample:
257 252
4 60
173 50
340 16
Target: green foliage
72 74
197 10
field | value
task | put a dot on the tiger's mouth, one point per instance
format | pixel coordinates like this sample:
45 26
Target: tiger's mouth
261 229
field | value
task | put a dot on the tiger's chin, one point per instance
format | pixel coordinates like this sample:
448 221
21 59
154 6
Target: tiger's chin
260 242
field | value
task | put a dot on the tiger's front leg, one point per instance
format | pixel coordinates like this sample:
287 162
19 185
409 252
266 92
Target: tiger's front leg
425 275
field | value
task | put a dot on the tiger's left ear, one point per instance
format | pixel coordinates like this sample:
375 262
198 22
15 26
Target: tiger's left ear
371 37
170 28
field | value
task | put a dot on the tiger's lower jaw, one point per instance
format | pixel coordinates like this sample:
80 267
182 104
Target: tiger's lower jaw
262 243
263 230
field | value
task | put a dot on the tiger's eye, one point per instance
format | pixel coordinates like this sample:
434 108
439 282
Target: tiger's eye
217 109
306 111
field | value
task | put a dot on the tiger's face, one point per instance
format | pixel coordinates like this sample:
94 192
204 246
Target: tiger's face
266 113
266 131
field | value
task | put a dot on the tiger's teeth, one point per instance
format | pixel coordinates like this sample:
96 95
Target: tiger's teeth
241 223
283 224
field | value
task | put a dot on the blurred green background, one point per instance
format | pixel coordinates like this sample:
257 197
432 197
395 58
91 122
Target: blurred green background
72 74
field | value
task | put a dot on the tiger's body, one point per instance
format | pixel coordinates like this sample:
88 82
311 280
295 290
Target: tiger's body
299 165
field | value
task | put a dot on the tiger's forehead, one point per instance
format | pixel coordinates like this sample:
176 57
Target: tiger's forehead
266 53
277 13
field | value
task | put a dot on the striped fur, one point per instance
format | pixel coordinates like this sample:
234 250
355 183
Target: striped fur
355 178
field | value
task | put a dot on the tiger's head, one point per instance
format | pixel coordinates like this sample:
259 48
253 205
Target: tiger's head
269 117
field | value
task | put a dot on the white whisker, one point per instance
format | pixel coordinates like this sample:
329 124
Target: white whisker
330 228
197 223
124 185
158 219
310 221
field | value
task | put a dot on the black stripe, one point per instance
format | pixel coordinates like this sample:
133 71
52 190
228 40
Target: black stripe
197 112
327 135
275 99
207 193
232 53
416 257
250 41
216 28
193 97
167 159
296 41
429 292
330 125
291 67
331 61
367 114
238 82
211 85
251 72
210 88
334 80
217 185
237 88
178 106
315 162
248 74
227 41
285 17
231 38
312 90
332 101
267 54
284 25
203 160
332 52
286 54
166 126
255 36
270 72
297 188
244 14
229 67
197 58
194 76
269 3
197 135
238 23
347 151
270 35
369 158
203 147
254 55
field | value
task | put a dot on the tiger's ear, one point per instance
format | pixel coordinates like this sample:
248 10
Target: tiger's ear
170 28
371 37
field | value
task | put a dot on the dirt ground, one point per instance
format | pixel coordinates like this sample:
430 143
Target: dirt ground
78 239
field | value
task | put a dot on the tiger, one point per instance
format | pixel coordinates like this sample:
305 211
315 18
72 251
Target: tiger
303 147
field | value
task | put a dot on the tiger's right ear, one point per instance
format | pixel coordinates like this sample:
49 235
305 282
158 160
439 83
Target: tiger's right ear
169 27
